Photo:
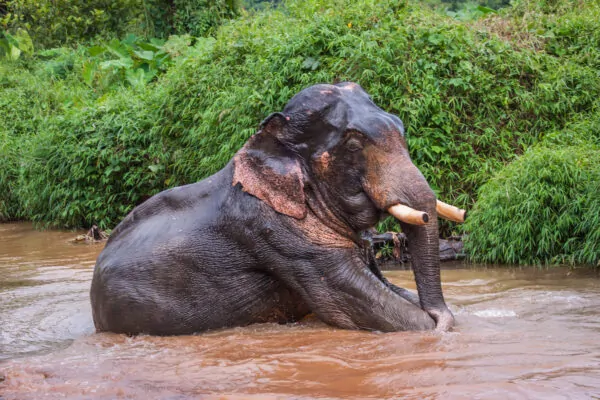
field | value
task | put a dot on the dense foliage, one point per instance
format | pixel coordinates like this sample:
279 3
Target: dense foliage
542 209
93 131
59 22
55 22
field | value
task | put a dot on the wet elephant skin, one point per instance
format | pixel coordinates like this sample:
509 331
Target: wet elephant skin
275 235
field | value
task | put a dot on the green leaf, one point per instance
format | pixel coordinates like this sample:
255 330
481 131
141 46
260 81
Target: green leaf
96 50
115 47
435 39
139 77
89 72
14 53
486 10
148 46
155 168
120 63
24 41
145 55
310 63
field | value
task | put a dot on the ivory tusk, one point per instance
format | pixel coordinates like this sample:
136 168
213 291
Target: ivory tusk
450 212
409 215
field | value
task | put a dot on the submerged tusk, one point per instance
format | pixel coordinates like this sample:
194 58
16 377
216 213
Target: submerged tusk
450 212
409 215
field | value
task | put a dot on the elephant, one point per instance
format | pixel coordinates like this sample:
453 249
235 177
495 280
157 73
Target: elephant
277 233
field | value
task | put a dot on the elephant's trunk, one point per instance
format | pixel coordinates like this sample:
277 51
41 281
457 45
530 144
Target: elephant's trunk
401 183
423 245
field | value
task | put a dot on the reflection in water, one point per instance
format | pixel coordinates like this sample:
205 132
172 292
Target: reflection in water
521 334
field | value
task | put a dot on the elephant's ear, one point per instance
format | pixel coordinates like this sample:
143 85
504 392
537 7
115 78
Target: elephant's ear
267 169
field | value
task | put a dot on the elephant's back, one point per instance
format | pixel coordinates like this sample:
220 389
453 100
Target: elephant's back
200 200
159 253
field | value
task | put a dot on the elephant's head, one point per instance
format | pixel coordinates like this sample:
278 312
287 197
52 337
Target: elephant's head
333 143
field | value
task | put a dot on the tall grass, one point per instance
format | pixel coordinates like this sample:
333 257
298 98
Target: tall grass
542 209
91 165
31 93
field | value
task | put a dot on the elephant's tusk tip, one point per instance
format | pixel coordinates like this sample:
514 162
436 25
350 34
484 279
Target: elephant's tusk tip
409 215
450 212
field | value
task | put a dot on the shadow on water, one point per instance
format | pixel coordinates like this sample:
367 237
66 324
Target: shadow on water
522 333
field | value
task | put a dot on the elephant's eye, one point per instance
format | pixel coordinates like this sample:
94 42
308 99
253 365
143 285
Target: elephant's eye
354 145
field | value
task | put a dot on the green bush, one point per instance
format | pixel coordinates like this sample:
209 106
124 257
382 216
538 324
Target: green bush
54 23
131 60
472 101
54 104
9 206
92 165
569 31
31 90
544 208
58 22
201 17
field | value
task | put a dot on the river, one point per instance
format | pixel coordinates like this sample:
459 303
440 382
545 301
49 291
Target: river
521 333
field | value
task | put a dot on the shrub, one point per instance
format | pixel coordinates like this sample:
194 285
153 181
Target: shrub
45 85
32 90
543 208
91 165
13 45
9 206
131 60
202 17
567 29
59 22
54 23
470 102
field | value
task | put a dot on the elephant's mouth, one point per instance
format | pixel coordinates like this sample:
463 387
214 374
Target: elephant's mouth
414 217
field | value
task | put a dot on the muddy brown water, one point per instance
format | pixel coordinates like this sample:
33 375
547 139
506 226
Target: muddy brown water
522 333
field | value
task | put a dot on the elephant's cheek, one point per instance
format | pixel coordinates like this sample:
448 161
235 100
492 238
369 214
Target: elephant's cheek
374 181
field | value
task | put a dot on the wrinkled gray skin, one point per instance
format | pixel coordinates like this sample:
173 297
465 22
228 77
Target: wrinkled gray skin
276 233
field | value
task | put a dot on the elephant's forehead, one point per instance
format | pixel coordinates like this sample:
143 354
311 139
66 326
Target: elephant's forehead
323 97
328 111
375 123
362 115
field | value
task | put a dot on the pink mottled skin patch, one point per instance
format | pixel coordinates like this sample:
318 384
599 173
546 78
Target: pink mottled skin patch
325 159
349 86
282 191
321 234
322 163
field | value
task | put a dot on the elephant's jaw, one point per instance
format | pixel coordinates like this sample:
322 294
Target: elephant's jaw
414 217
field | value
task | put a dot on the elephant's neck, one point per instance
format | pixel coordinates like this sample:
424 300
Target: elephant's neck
320 207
